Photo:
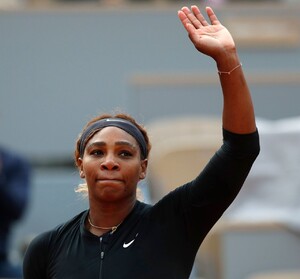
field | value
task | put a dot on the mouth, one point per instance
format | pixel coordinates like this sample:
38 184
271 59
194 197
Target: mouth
109 180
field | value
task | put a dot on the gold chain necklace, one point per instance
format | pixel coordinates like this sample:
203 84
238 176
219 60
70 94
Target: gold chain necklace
113 228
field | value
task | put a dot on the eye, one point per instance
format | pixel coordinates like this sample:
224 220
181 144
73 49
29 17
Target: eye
96 152
125 153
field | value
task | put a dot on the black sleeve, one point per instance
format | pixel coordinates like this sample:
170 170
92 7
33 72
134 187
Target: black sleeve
192 209
210 194
36 258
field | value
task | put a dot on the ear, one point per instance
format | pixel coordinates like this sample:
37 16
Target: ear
80 167
144 165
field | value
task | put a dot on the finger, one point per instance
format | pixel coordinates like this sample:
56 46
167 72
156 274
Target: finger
185 22
212 17
193 20
199 16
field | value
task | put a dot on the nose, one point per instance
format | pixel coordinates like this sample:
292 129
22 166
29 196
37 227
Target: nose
109 163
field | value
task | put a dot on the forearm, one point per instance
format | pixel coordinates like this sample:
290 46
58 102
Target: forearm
214 40
238 111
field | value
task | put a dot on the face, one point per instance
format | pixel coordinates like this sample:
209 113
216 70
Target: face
112 165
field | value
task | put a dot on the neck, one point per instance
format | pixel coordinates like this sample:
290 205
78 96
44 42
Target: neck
112 229
108 215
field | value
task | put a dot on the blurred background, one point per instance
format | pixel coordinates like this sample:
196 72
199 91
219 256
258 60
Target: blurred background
64 61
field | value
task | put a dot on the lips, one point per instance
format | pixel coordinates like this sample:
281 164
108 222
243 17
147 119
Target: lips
104 179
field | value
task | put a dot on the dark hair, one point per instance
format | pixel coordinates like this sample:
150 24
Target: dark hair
103 116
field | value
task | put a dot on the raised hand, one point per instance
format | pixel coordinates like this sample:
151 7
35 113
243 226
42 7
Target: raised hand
212 39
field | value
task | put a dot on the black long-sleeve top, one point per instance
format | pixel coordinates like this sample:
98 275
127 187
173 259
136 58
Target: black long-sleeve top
154 241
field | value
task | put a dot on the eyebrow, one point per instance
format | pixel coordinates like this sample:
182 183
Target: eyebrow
119 143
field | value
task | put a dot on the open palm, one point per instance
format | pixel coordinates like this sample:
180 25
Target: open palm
212 38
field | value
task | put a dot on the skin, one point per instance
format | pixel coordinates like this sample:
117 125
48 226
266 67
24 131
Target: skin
112 167
112 198
213 39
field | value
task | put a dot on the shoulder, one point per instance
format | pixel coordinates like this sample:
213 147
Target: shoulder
45 246
44 240
36 256
72 224
172 203
140 210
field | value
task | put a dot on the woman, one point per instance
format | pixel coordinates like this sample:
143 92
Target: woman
120 237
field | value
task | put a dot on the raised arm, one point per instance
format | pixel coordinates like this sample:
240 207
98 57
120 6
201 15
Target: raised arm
213 39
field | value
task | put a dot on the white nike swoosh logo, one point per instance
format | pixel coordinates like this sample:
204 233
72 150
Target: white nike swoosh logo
126 245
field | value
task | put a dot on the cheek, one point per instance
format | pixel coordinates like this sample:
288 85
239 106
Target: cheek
89 169
135 175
